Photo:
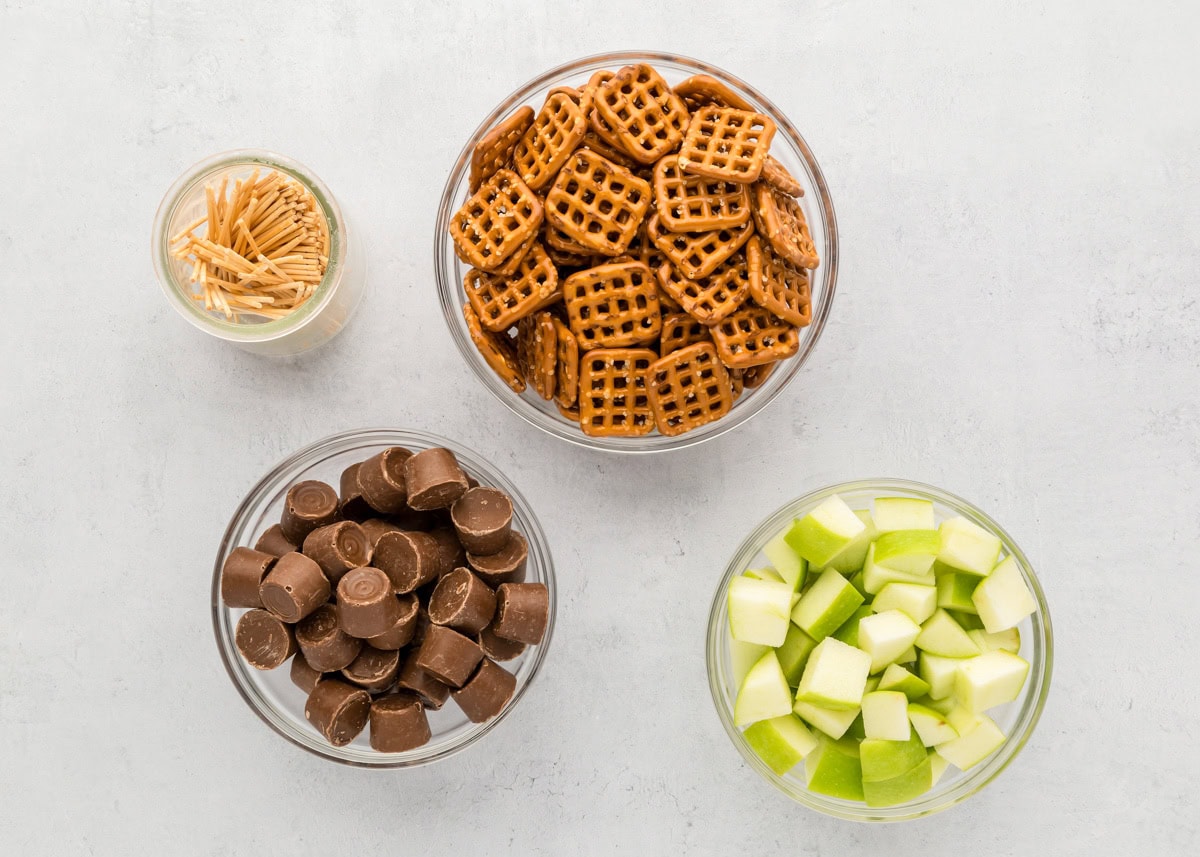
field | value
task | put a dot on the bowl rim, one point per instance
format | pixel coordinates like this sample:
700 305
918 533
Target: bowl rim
451 300
313 455
1034 695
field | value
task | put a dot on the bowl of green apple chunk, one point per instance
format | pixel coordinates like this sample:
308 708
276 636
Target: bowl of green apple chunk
879 650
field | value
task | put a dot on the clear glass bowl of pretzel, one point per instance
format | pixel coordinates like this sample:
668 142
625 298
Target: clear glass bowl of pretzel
636 251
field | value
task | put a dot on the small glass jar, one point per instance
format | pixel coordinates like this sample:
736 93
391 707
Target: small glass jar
314 322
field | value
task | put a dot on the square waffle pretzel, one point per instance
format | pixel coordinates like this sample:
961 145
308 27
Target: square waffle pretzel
725 143
549 141
642 112
780 220
777 176
566 385
693 203
680 330
497 350
752 337
613 305
597 203
717 296
697 255
495 148
688 388
537 352
781 287
612 392
700 90
495 221
500 302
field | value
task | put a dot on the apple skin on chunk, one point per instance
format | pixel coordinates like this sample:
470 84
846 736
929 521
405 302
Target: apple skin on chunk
989 680
780 742
825 531
835 676
833 723
967 547
907 786
876 576
909 551
954 591
759 610
788 564
1002 598
896 677
882 760
794 653
903 513
851 558
827 604
764 693
833 769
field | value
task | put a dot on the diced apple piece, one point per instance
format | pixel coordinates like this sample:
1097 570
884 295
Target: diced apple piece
826 605
909 657
903 513
900 789
794 652
825 531
789 565
780 742
853 555
1001 641
937 766
875 576
939 673
872 684
908 551
742 656
835 676
885 715
886 636
759 610
832 723
1002 598
967 546
933 726
896 677
989 680
833 769
856 580
967 621
915 600
954 591
848 633
941 706
763 574
764 693
882 760
973 745
941 635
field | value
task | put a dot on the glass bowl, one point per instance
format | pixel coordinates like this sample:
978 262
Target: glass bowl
1017 719
270 693
318 319
788 147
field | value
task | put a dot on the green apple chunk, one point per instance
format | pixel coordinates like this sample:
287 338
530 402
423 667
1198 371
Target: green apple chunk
763 574
938 673
827 604
885 715
989 680
1002 598
833 769
932 726
848 633
915 600
941 635
882 760
794 652
832 723
764 693
742 656
903 513
973 744
835 676
1001 641
938 766
759 610
967 546
968 621
853 555
896 677
901 789
789 565
825 531
908 551
941 706
886 636
954 591
780 742
856 580
909 657
876 576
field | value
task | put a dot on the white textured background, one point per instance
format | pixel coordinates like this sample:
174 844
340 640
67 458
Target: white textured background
1016 321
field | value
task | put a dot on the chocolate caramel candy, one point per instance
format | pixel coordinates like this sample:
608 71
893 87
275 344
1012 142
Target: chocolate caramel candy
463 602
401 633
264 641
337 548
273 542
351 502
410 560
302 674
337 710
366 606
242 575
505 566
433 693
376 527
450 550
309 505
398 723
498 648
486 693
483 519
434 479
323 643
381 480
522 611
294 587
374 669
447 655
